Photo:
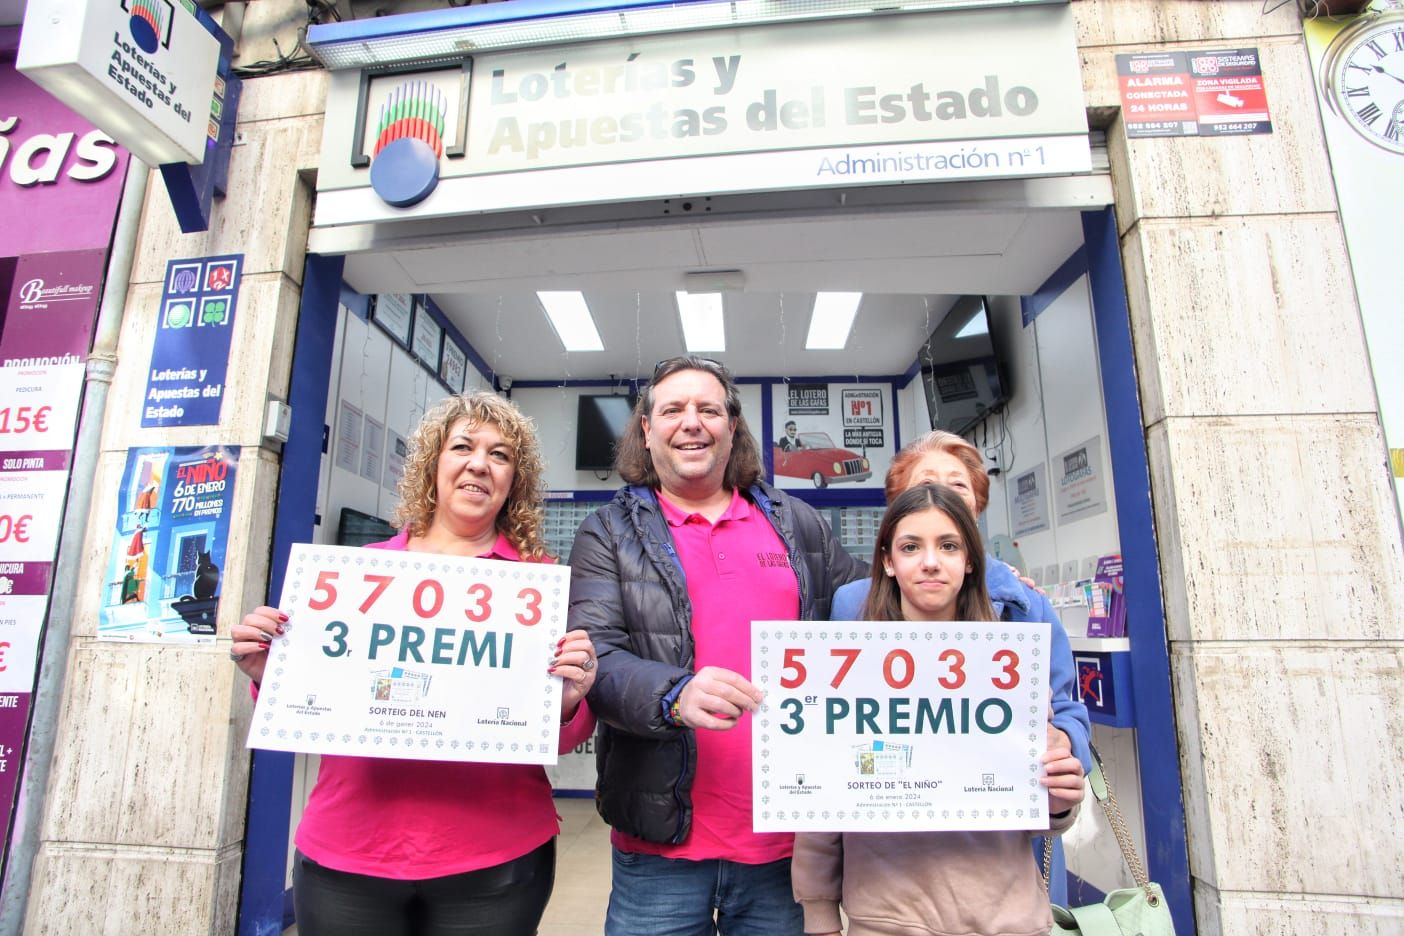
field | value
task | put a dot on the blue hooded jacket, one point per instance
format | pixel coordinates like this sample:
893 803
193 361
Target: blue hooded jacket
1012 601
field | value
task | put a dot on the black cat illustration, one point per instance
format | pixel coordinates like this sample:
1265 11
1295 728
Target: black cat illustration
206 577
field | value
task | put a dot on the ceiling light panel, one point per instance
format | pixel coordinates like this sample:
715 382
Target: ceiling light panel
703 325
832 320
570 317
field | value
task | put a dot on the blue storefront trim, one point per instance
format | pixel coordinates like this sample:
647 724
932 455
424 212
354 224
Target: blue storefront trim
261 900
489 14
1157 745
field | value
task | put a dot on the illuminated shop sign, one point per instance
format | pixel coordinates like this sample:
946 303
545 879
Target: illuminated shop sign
923 97
143 70
40 158
57 172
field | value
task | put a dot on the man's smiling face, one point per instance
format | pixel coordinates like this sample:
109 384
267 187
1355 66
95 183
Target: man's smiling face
688 433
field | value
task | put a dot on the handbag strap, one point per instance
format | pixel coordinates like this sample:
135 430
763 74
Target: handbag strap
1102 789
1095 918
1106 798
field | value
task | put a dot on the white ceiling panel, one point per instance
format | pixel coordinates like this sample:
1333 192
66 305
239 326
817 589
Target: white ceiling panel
891 236
548 259
909 263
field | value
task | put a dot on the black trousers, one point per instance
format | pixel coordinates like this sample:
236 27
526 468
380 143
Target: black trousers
504 900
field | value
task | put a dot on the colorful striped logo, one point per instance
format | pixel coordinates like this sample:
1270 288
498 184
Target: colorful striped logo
149 23
415 110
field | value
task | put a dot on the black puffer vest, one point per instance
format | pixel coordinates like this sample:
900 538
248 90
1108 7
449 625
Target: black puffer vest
627 589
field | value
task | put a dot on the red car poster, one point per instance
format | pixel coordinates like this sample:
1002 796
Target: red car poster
831 434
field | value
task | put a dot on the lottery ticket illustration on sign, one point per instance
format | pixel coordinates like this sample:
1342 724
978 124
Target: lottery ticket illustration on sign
414 656
896 726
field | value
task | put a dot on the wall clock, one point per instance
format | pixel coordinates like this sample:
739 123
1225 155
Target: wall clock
1362 75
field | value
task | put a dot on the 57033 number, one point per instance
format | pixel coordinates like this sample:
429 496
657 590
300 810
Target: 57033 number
428 598
899 668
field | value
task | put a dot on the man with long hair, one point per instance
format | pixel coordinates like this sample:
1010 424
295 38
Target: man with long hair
667 578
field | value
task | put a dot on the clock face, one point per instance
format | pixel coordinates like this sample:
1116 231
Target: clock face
1367 80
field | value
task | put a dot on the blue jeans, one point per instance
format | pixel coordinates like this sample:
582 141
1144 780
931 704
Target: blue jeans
655 896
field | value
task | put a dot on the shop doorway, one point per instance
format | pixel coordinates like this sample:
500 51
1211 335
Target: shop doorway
1045 274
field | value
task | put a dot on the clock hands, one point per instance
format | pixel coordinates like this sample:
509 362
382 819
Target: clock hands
1355 56
1384 71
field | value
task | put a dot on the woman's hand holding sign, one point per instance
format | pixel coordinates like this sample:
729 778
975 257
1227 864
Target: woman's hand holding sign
1062 772
574 662
252 637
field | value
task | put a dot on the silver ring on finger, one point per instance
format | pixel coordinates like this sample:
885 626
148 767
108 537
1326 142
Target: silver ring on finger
588 665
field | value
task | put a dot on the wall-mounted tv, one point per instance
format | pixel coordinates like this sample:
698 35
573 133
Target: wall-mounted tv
600 422
358 528
960 368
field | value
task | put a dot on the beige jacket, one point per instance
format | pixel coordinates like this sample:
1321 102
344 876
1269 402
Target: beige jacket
922 883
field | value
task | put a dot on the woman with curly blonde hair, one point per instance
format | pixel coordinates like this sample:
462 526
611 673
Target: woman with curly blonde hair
521 514
422 848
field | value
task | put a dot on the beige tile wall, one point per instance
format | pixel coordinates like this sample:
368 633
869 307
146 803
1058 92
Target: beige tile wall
145 811
1280 547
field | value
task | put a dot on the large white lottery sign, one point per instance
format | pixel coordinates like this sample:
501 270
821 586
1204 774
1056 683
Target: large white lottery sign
899 726
414 655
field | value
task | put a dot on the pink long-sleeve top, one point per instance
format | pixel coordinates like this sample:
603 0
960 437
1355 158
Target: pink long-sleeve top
411 820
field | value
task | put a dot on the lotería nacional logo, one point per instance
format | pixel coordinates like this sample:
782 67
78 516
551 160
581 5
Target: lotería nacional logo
149 22
409 143
989 784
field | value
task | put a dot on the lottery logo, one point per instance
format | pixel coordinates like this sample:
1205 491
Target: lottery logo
180 314
149 22
186 280
409 142
220 276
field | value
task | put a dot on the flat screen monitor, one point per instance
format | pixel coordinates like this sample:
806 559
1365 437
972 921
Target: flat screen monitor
358 528
960 368
600 424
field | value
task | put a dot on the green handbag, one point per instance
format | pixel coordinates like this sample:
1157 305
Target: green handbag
1130 911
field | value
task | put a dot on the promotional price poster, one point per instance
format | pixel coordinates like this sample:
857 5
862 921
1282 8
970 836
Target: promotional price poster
828 434
167 560
39 412
48 325
38 417
414 656
901 727
190 356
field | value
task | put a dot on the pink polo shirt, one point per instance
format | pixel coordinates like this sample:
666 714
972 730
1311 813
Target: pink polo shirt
411 820
737 572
